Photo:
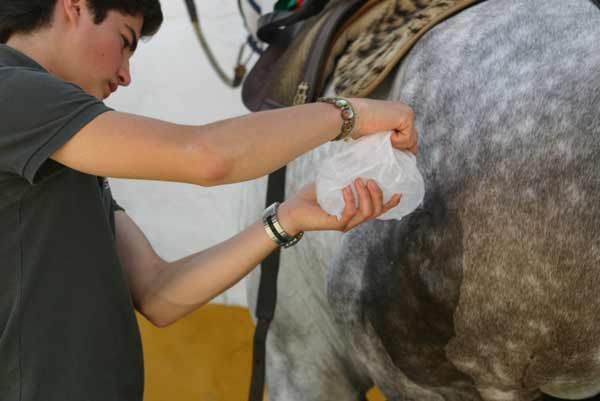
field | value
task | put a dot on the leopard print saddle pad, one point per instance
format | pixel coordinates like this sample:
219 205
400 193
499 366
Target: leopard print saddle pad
374 40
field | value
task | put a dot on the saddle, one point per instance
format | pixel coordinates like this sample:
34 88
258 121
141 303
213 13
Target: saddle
356 43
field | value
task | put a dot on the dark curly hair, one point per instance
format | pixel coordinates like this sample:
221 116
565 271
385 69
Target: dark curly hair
24 16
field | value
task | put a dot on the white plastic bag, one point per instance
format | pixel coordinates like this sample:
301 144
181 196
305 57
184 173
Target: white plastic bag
370 157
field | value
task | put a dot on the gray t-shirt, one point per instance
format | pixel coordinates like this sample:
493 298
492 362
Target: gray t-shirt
68 330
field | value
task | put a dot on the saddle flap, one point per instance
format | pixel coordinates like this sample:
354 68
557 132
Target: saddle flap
298 54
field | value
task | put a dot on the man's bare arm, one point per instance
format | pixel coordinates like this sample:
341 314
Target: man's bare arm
237 149
128 146
165 292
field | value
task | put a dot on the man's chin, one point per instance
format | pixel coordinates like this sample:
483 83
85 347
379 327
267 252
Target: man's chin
100 94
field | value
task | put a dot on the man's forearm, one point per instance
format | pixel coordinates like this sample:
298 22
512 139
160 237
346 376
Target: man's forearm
182 286
256 144
128 146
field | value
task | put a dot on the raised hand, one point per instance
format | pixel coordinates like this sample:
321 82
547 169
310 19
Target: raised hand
381 115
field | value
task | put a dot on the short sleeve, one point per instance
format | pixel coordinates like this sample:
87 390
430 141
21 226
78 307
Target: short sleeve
116 207
38 114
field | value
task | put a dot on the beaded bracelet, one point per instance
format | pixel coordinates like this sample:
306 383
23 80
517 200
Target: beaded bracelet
349 116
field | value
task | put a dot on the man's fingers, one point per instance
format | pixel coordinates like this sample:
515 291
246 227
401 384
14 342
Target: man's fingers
415 145
393 202
350 206
376 197
356 216
407 139
365 204
402 139
370 203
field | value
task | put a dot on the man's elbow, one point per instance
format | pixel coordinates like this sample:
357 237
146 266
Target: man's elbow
215 171
160 323
155 318
157 312
161 313
156 323
211 167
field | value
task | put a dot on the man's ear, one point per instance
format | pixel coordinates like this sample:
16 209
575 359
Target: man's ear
72 10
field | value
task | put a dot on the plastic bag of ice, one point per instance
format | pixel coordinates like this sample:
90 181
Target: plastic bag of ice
370 157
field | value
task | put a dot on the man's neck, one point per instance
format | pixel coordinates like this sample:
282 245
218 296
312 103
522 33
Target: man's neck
34 47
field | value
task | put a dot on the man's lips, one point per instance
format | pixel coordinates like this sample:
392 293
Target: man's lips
113 87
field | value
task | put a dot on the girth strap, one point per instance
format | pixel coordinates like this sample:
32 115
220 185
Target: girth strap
267 295
267 289
259 361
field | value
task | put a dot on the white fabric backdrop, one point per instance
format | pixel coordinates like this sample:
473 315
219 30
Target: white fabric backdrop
172 80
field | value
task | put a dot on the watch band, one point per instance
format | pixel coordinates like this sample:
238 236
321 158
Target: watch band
349 116
274 229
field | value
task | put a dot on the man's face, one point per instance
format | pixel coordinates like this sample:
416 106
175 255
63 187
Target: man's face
98 55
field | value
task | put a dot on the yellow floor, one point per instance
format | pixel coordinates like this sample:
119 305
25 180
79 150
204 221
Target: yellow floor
204 357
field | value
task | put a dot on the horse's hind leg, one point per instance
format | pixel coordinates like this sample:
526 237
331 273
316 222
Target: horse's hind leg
295 373
391 287
307 357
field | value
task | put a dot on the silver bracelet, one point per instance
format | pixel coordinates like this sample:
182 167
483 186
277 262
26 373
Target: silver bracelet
274 229
349 116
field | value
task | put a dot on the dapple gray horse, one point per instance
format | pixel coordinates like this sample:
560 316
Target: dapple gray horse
491 290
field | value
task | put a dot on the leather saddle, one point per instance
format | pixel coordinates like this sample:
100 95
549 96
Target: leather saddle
357 42
291 70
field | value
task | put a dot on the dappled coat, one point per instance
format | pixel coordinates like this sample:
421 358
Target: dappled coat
489 291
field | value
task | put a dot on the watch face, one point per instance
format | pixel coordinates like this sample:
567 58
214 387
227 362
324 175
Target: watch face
271 210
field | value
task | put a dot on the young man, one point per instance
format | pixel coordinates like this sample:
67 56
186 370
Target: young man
73 265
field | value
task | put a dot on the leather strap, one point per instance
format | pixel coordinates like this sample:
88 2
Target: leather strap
271 24
267 295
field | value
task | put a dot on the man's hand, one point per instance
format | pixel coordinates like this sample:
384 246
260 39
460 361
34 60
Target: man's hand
303 213
375 116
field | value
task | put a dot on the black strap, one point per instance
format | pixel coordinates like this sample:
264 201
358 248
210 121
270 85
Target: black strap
269 25
596 3
257 385
267 289
267 295
270 28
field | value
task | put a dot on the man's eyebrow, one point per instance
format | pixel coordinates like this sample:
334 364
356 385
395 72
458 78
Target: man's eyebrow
135 39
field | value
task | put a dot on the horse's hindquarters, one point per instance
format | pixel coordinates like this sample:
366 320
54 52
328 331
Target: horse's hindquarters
506 98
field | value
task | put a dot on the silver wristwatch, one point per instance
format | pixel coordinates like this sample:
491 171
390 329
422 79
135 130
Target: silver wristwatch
274 229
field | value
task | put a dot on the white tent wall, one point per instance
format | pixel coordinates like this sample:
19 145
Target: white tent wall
172 80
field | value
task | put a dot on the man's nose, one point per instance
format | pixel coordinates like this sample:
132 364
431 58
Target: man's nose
124 74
